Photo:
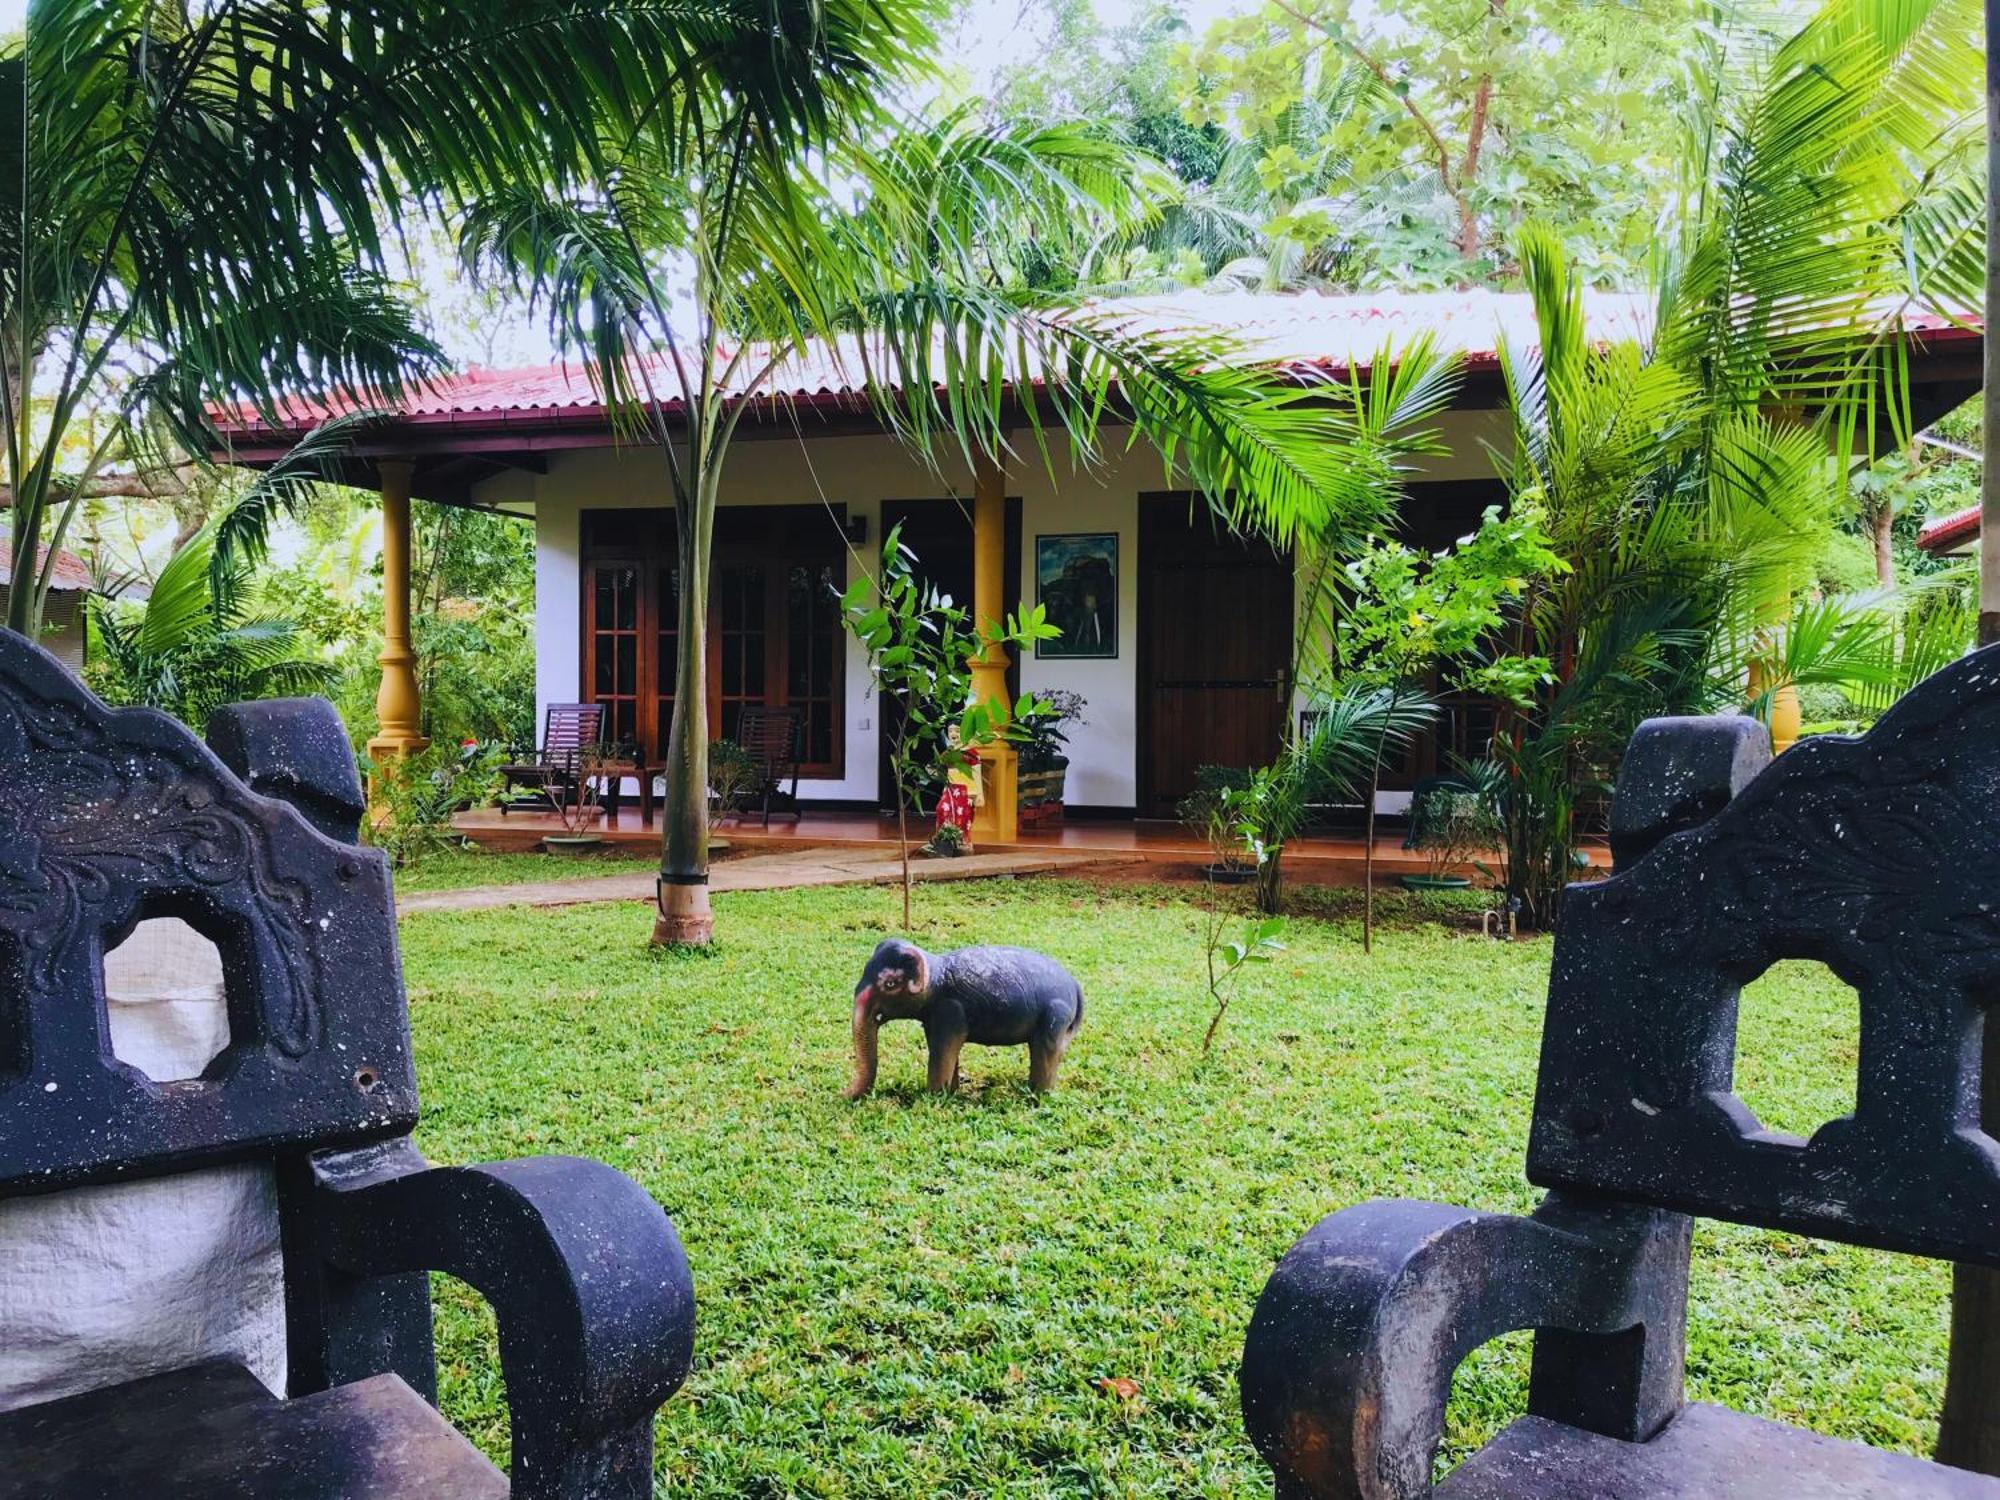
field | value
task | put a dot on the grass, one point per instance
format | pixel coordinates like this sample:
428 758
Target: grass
920 1296
461 869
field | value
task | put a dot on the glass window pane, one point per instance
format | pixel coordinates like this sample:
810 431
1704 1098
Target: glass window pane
628 664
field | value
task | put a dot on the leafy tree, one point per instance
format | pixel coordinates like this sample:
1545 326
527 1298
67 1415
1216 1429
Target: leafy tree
1401 148
1397 620
921 647
196 644
194 198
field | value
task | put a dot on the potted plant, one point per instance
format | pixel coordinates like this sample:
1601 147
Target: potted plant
1044 766
1209 814
948 842
1449 824
734 778
575 800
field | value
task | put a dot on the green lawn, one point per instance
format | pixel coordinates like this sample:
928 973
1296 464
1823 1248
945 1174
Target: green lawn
918 1297
460 869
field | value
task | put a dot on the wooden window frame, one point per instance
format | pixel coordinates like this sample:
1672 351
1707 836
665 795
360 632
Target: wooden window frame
774 538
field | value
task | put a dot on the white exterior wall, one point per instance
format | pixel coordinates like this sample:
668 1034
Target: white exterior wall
861 472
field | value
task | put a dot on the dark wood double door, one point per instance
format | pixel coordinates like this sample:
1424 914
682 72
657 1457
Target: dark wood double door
1215 648
774 630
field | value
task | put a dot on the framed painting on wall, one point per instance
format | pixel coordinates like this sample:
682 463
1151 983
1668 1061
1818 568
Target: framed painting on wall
1076 581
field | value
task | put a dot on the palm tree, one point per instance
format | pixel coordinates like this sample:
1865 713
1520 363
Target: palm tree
194 197
902 249
197 644
1684 481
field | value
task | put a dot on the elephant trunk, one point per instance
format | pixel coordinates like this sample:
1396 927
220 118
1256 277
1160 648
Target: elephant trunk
866 1028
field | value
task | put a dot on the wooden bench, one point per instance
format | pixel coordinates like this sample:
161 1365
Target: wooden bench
1879 856
113 819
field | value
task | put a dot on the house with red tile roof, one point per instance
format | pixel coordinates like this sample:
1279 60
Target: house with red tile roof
1177 637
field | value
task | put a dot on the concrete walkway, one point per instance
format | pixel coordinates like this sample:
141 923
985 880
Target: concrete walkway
758 872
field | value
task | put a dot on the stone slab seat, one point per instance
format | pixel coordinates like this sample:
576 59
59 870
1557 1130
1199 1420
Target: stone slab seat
1878 857
1705 1453
186 1232
214 1433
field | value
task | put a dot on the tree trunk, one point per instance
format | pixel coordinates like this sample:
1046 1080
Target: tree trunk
1368 857
903 844
1270 884
1881 527
21 612
1969 1430
685 919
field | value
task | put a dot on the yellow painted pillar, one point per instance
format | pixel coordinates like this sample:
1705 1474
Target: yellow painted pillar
998 818
1785 713
398 704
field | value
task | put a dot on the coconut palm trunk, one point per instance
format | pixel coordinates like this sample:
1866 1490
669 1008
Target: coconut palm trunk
685 918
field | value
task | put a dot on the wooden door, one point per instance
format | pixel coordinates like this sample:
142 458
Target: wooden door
1215 645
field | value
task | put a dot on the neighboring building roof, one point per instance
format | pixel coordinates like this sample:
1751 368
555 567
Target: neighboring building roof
1948 533
72 572
1312 333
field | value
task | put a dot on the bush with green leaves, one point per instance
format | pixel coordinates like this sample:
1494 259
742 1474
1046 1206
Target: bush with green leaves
734 777
415 798
203 638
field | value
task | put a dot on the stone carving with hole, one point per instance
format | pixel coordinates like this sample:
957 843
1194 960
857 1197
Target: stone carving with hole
1877 856
205 1071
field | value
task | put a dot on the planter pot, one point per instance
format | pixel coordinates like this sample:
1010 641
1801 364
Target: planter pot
572 843
1436 882
1042 780
1230 874
1041 815
1039 799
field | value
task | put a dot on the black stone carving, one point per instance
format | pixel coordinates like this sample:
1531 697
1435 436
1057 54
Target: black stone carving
108 817
1879 856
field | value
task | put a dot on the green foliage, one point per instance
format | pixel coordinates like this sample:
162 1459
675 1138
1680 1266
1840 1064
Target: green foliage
201 640
1044 736
199 197
921 648
415 797
734 776
1397 150
1205 812
1451 823
1335 761
1395 616
915 1296
1258 944
1685 483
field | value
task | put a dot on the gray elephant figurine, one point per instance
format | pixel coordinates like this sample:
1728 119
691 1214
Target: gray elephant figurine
995 997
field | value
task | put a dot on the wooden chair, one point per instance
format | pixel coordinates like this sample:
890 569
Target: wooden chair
770 736
1878 856
110 819
551 772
